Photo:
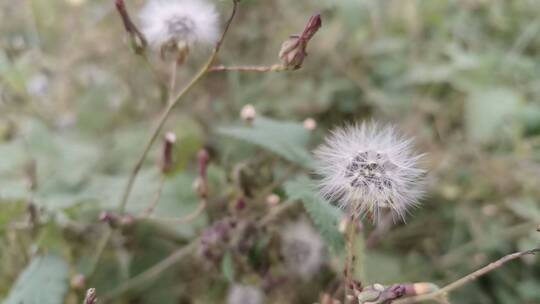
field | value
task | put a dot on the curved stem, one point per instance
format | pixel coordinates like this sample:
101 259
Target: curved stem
468 278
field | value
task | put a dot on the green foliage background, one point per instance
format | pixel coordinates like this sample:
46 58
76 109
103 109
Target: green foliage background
76 107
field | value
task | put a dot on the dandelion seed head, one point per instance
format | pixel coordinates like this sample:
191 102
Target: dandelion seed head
245 294
302 249
367 167
190 22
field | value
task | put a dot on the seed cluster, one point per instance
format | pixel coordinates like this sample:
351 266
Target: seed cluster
370 169
180 26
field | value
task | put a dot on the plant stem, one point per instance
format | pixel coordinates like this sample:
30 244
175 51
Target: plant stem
170 106
153 272
350 258
468 278
249 68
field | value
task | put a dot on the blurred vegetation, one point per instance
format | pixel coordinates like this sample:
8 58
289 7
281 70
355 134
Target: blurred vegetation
76 108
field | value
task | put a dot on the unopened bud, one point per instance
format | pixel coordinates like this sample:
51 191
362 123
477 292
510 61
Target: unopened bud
200 187
137 40
273 199
416 289
248 113
78 281
538 227
167 159
91 296
342 225
293 50
310 124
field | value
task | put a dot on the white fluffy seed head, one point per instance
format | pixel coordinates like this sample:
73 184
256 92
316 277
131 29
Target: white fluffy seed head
366 168
190 22
245 294
302 249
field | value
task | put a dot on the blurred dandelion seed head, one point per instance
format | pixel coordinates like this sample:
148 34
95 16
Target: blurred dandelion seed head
302 249
245 294
368 167
180 22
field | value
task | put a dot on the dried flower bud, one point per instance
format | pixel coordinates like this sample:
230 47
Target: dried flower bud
137 39
273 199
248 113
538 228
77 281
91 296
200 185
293 50
167 160
310 124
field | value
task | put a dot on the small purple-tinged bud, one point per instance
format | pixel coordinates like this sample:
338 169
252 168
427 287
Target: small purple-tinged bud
91 296
167 159
78 281
240 204
293 51
201 182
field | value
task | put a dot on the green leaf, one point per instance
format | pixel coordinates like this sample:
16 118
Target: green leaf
487 109
286 139
44 281
324 216
227 266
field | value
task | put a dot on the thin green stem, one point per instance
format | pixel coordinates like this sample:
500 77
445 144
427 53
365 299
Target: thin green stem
155 133
443 292
167 112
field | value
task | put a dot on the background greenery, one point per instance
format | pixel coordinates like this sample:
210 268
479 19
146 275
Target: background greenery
76 107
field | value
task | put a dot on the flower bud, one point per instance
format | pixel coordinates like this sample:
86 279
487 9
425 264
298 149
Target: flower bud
91 296
248 113
310 124
167 160
293 50
273 199
78 281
